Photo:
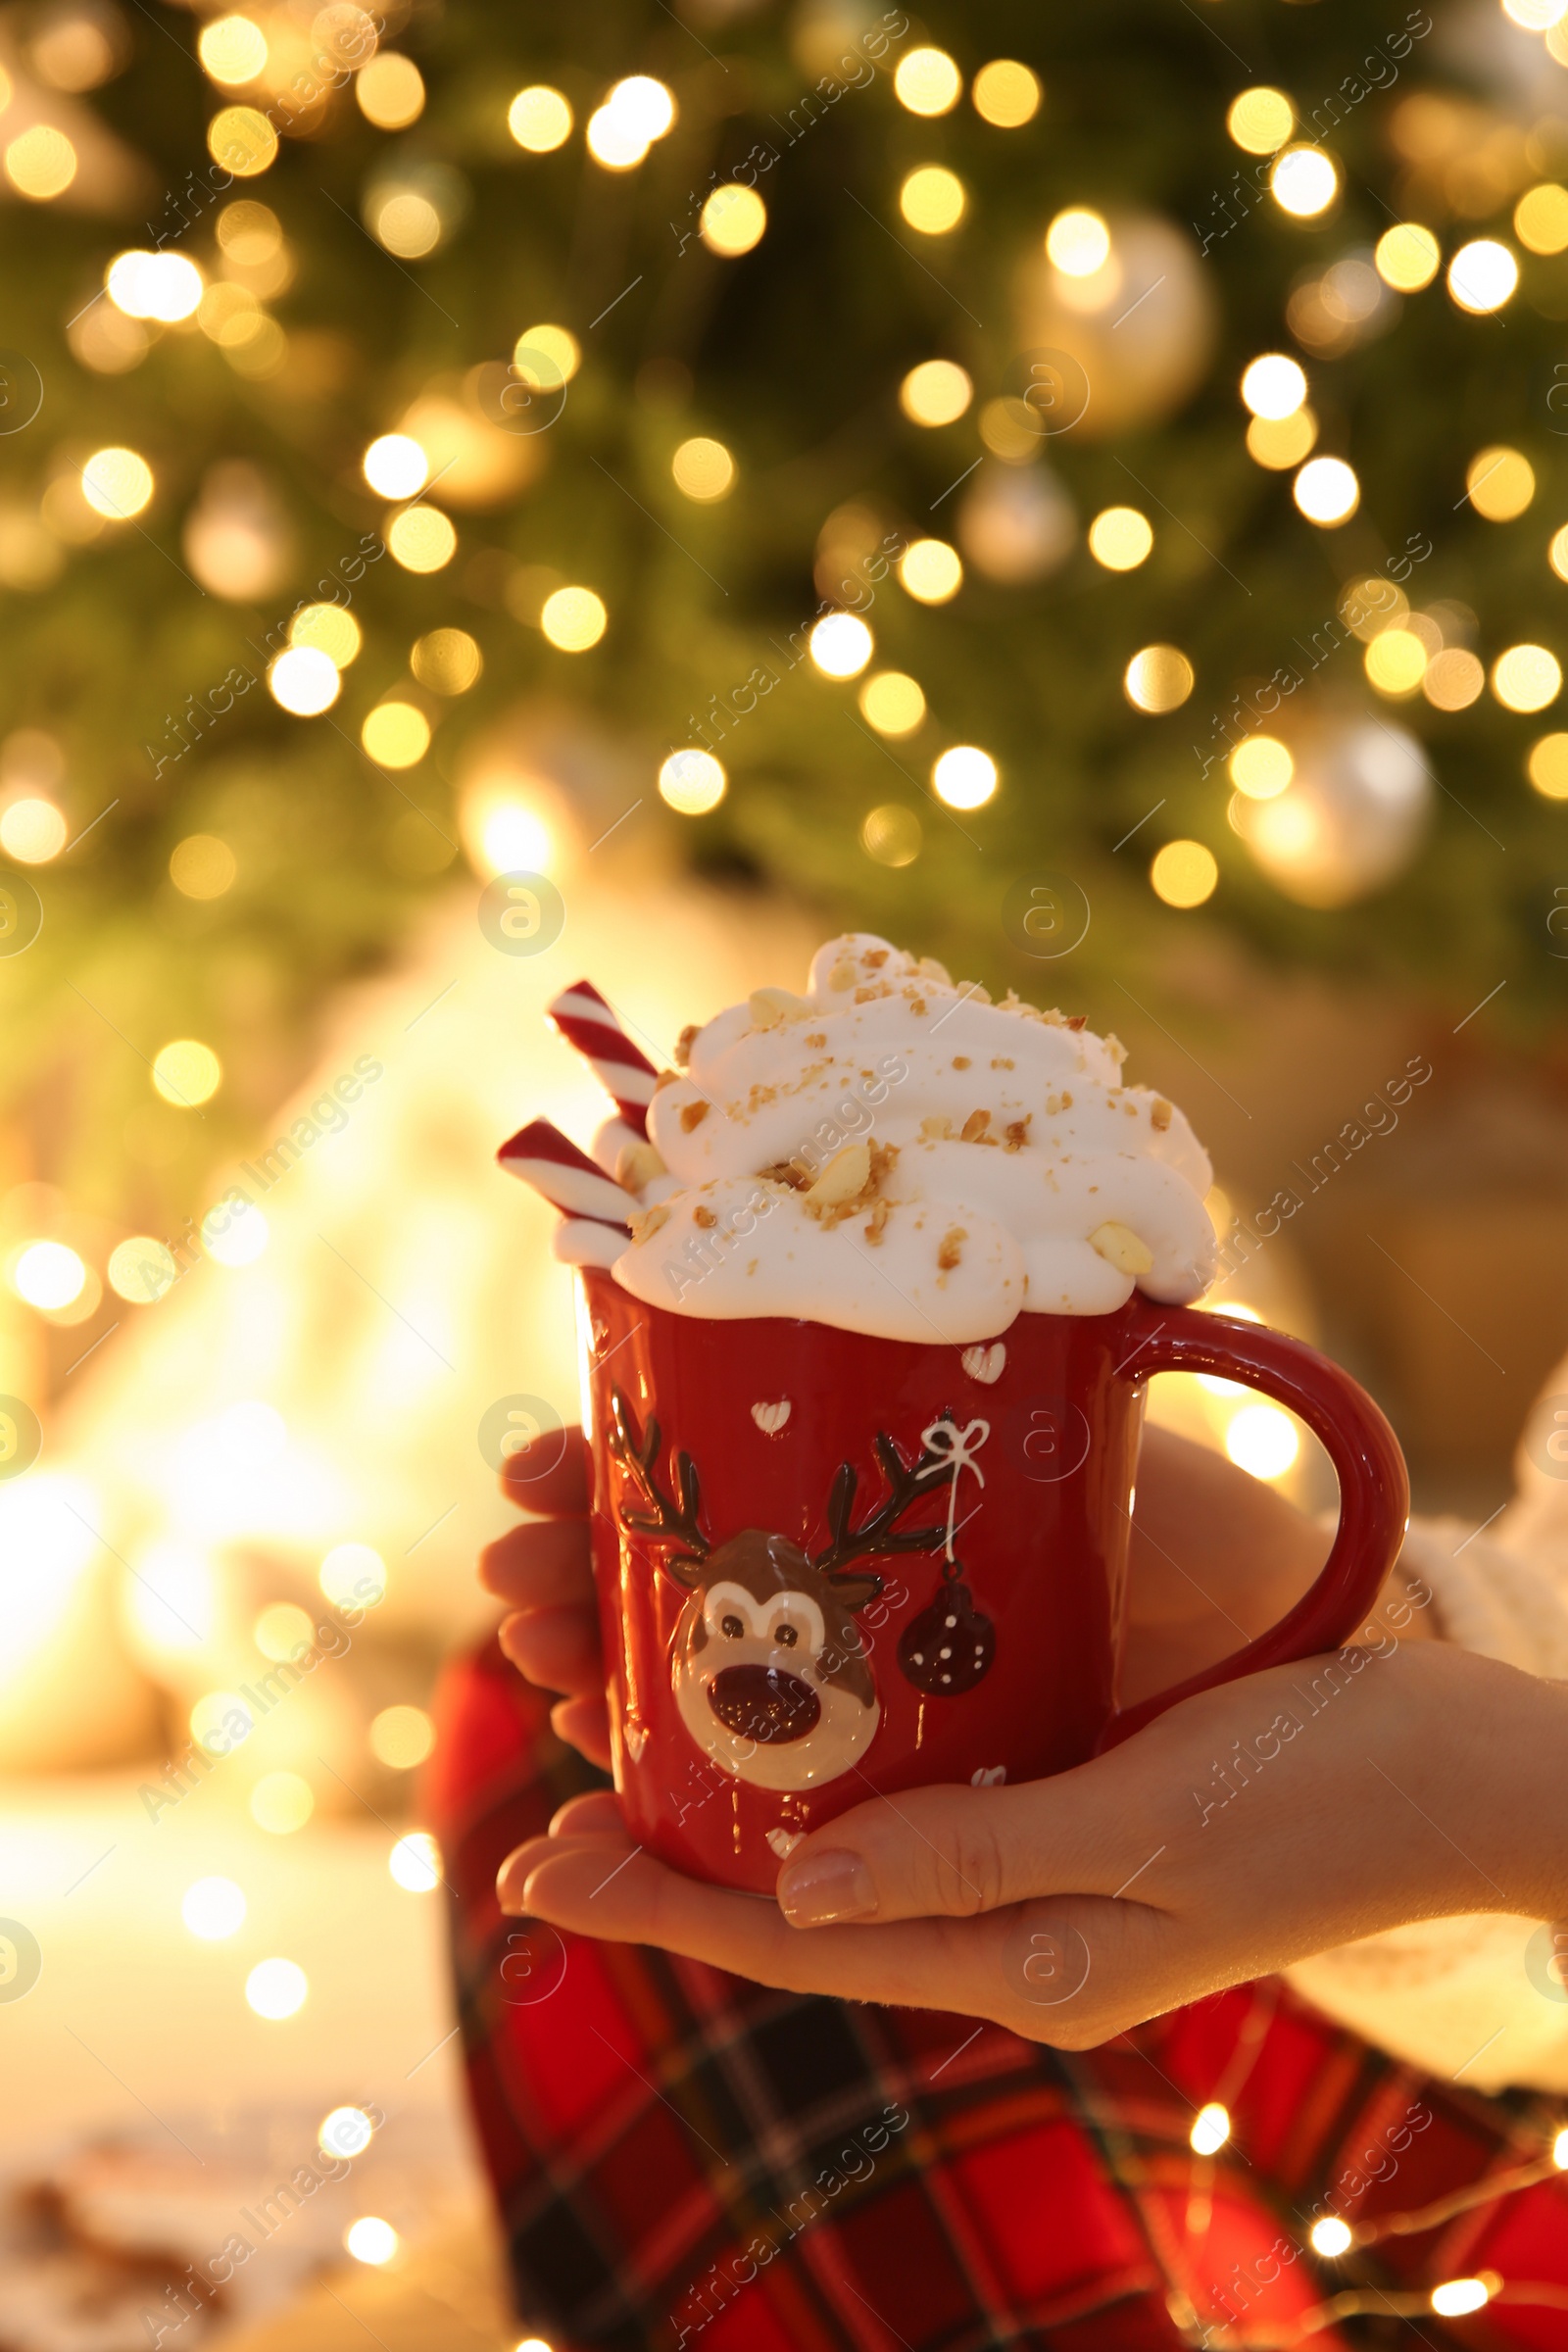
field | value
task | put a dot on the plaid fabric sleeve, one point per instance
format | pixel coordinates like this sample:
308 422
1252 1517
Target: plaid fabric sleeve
682 2158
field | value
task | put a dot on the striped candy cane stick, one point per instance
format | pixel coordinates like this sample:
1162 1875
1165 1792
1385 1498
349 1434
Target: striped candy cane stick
586 1021
553 1166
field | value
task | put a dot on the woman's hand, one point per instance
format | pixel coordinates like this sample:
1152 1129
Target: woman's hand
1247 1828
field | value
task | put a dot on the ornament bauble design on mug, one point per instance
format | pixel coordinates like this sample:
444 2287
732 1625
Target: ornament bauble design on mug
1141 326
771 1674
1351 817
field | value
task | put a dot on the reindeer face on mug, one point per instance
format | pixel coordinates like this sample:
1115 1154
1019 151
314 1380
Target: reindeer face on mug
769 1668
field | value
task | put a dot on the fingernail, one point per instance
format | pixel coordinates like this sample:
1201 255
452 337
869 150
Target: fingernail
510 1884
826 1886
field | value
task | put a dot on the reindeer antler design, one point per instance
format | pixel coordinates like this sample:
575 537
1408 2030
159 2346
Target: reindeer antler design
878 1533
637 1457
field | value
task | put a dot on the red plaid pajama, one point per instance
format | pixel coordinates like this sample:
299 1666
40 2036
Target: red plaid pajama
681 2158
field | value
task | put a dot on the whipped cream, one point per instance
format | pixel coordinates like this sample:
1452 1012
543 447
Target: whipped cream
893 1154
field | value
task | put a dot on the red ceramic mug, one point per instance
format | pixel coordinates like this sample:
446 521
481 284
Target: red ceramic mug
831 1566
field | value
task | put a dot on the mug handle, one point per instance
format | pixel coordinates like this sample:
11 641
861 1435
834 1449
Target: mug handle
1374 1486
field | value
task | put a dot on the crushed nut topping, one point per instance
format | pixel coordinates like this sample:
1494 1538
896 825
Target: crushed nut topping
645 1222
664 1078
684 1043
937 1127
843 975
692 1115
1016 1132
1159 1111
876 1221
874 959
702 1216
974 1127
961 1061
1003 1061
1077 1021
637 1164
817 1037
951 1247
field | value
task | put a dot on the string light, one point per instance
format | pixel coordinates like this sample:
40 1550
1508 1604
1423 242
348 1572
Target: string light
1304 183
117 483
1262 1441
1395 661
140 1270
32 831
932 199
840 645
233 51
283 1630
892 835
892 701
1283 441
396 734
927 83
345 2132
1547 770
372 2241
447 660
281 1802
332 628
421 539
400 1737
351 1575
1260 120
1407 257
213 1909
1457 2296
692 782
1006 93
48 1275
937 392
1212 2128
166 286
396 466
1261 766
187 1072
1453 679
415 1863
539 118
304 681
241 139
732 220
1483 276
559 351
1330 2236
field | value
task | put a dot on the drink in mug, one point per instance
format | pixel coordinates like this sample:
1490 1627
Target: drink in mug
864 1393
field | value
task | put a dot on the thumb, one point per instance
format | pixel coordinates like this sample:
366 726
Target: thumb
953 1853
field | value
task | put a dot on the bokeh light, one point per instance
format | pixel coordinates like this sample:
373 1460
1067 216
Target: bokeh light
539 118
692 782
396 734
1454 2298
332 628
840 645
241 140
400 1737
283 1630
1327 491
201 866
1006 93
48 1275
1527 677
396 465
937 392
390 92
345 2132
1184 873
1262 1439
1407 257
892 701
1330 2236
1547 767
1261 766
1304 183
415 1863
732 220
1453 679
1273 386
1078 242
703 469
304 680
1500 483
965 777
447 660
32 830
1260 120
932 200
421 539
281 1802
1158 679
930 571
352 1576
573 620
927 83
1212 2128
892 835
1483 276
1120 538
277 1988
546 356
187 1072
141 1269
166 286
372 2241
40 164
1396 662
213 1910
118 483
233 51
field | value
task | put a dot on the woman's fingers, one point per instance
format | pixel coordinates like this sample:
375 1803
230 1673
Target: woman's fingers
542 1566
550 1476
584 1724
956 1852
556 1649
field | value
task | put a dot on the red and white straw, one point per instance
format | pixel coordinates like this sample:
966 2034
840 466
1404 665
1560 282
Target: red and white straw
553 1166
586 1021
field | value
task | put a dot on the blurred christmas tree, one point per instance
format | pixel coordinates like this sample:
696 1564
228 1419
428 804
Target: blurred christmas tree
582 362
